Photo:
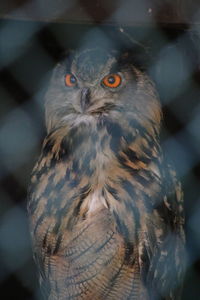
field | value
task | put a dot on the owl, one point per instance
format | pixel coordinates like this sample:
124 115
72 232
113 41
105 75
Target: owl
105 207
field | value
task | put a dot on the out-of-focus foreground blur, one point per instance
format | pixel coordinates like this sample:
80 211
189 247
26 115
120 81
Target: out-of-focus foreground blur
33 35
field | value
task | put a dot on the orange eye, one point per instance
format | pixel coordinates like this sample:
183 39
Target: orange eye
112 81
70 80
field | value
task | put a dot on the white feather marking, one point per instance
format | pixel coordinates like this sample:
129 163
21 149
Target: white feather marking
76 119
154 169
96 201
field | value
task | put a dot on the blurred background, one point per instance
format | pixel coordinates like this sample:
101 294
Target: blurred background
33 35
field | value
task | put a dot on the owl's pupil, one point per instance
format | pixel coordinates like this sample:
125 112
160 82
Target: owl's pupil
72 79
111 79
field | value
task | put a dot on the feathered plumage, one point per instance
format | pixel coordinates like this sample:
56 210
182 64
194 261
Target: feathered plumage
105 208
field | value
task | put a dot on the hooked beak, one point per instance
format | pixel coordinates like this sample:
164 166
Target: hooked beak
85 98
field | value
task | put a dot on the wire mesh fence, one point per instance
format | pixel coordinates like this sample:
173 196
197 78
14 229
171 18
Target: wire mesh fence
29 51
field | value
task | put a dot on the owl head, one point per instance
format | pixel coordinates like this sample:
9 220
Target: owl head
92 83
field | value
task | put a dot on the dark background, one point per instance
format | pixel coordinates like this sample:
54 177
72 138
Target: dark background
33 34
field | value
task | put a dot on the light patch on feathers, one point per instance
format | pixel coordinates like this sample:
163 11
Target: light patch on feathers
77 119
96 201
154 168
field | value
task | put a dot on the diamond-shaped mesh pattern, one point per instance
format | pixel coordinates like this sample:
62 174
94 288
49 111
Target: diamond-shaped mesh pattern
28 52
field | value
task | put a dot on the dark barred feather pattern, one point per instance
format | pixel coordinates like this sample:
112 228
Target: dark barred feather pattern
105 208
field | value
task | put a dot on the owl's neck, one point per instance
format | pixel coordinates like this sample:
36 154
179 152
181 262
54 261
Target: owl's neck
95 148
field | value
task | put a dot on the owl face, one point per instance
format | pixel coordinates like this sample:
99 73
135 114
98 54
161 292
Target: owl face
95 82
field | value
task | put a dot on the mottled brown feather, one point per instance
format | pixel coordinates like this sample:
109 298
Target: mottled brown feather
106 210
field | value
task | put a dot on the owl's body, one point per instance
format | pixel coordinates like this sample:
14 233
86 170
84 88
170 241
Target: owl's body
105 208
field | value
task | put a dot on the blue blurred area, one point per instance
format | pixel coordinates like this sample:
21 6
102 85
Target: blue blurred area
28 53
